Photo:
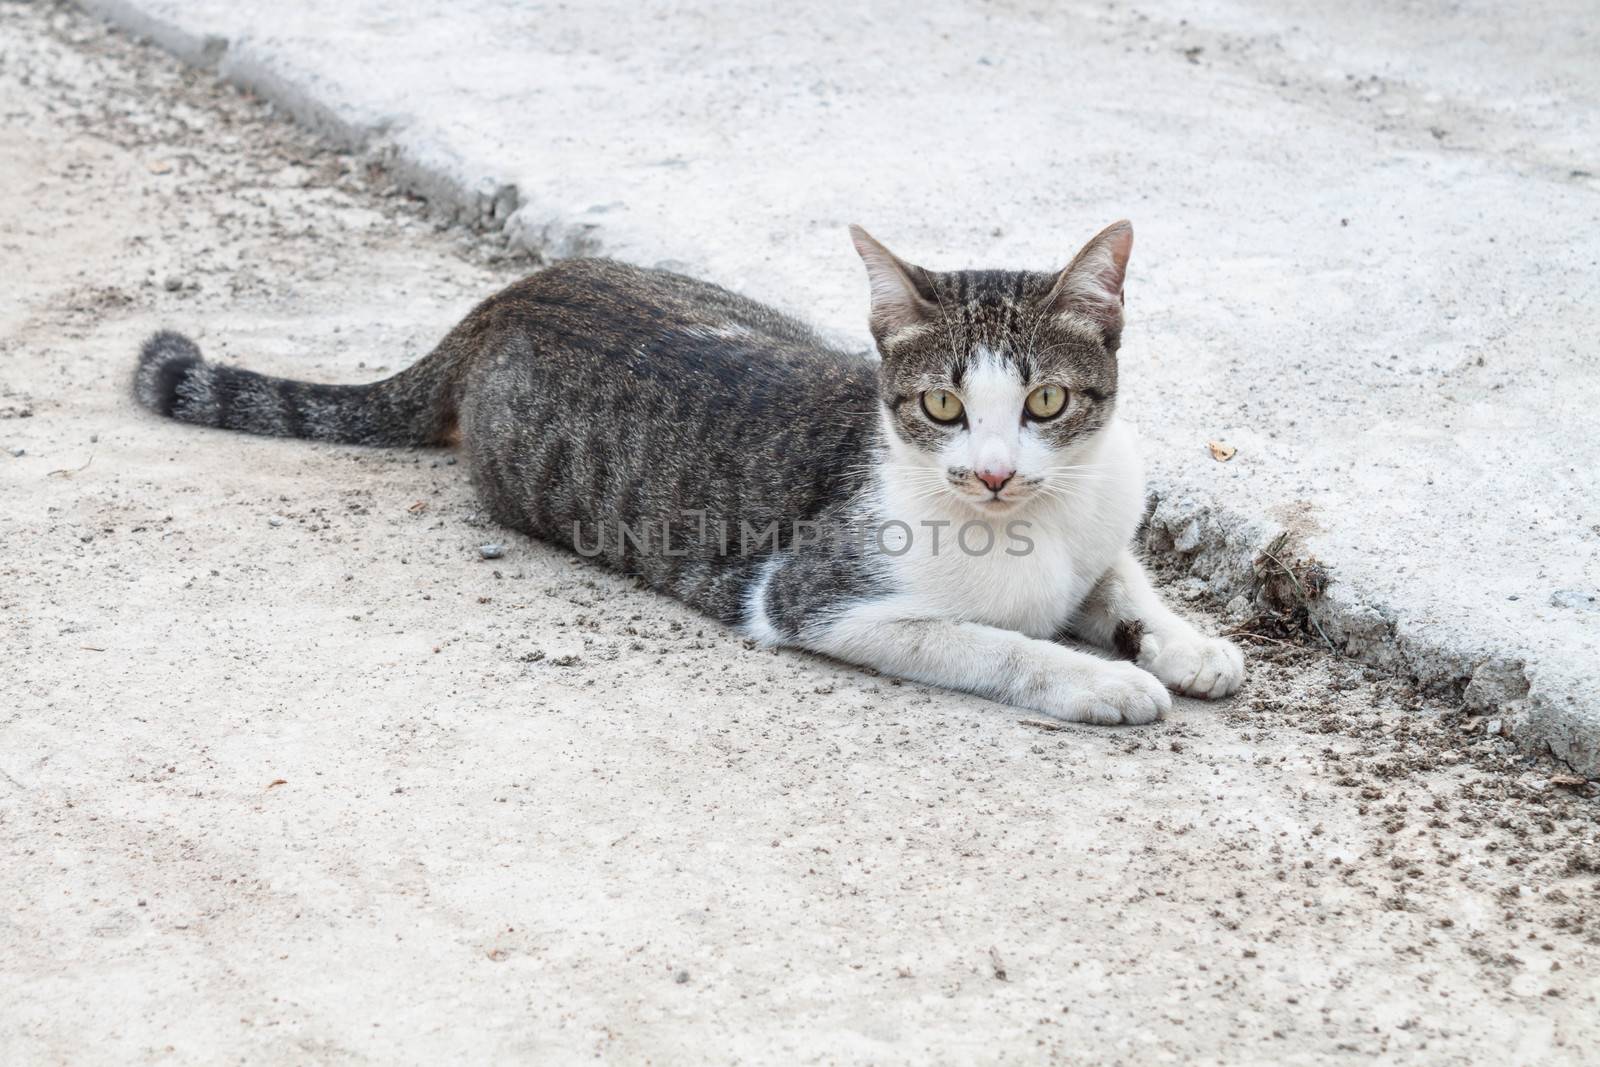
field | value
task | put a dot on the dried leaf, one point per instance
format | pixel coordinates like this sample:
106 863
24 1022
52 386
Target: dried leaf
277 781
1569 781
418 508
998 963
1221 452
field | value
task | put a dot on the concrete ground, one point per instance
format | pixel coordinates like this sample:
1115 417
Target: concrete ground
289 774
1368 241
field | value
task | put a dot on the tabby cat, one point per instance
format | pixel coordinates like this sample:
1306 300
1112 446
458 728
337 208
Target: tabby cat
951 512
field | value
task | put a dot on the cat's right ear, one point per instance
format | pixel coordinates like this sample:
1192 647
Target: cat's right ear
902 294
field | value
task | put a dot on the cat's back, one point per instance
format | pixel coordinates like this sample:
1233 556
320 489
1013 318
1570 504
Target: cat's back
609 342
658 326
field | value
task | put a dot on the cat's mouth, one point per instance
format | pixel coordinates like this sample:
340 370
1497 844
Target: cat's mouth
993 503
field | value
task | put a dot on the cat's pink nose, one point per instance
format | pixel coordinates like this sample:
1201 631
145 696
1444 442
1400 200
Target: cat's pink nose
996 477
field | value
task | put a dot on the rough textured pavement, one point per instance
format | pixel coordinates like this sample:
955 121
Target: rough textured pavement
289 774
1368 251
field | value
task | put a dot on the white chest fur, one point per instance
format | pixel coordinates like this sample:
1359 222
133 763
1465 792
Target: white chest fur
1026 570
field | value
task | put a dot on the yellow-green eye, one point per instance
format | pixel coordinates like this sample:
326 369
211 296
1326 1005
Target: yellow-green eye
941 405
1046 401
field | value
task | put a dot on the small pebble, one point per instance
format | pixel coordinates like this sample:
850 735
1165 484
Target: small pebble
19 452
491 551
274 521
682 977
173 283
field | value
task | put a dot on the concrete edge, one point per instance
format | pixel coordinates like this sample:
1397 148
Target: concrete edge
443 185
1221 547
1227 550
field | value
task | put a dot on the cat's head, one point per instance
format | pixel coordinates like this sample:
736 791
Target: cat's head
995 383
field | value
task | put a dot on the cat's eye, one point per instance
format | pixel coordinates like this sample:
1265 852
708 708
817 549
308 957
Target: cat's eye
941 405
1046 401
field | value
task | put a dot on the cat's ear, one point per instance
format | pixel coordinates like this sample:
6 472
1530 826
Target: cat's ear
902 296
1091 286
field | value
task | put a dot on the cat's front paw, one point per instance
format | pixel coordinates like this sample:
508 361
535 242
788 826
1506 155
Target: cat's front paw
1108 694
1196 666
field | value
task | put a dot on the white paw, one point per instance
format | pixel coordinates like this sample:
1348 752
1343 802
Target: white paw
1109 693
1195 666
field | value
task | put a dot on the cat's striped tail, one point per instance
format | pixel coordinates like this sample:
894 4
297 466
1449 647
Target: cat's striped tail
415 407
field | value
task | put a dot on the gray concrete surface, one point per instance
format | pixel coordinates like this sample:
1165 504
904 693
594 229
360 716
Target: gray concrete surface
1368 241
290 775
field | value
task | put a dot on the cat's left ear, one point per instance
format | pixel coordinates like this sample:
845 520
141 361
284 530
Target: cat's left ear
902 296
1091 286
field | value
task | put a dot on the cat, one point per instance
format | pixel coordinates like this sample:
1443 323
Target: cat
951 512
